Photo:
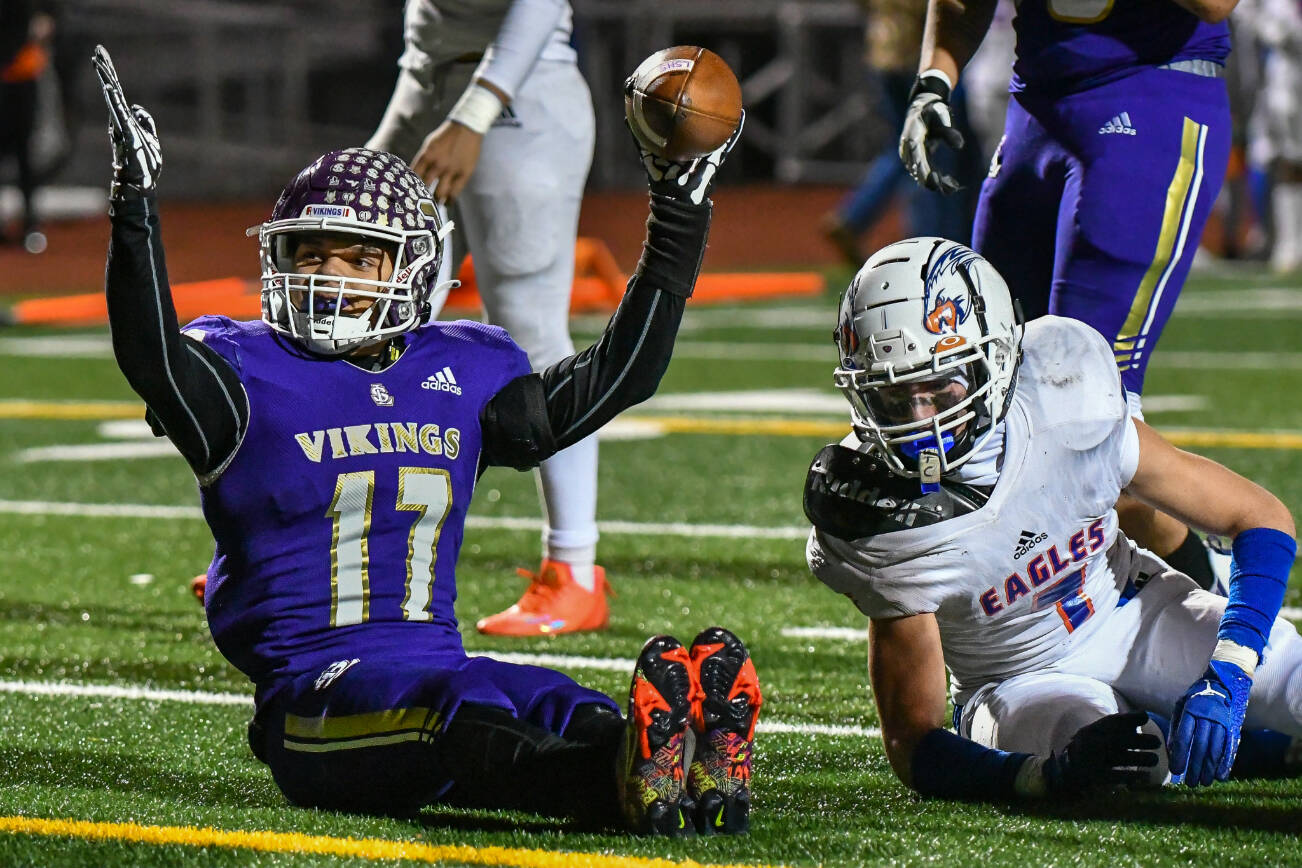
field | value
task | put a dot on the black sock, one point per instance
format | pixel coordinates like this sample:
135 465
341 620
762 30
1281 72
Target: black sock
1190 558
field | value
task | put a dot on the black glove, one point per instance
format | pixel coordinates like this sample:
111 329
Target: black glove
689 180
1110 751
927 123
137 159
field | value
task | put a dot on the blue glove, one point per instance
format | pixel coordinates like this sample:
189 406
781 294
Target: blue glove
1206 724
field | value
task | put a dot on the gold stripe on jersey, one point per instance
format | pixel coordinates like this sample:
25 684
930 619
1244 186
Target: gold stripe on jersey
1181 197
323 734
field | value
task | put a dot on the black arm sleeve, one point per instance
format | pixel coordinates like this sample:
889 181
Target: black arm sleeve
192 393
537 415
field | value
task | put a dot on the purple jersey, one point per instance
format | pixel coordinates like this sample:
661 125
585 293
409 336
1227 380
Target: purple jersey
339 520
1067 45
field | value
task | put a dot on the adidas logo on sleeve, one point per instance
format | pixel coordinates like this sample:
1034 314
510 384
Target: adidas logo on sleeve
1119 124
442 381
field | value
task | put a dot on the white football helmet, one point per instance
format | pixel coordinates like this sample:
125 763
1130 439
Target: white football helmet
371 195
927 319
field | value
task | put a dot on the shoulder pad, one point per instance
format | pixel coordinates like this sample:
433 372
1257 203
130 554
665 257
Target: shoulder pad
851 495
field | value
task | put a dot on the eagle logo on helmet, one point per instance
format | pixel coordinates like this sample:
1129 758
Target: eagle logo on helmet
947 303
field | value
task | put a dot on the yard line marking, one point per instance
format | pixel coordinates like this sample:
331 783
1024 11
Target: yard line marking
23 409
59 346
200 697
848 634
116 691
684 529
160 448
860 634
1240 303
1209 437
373 849
1193 360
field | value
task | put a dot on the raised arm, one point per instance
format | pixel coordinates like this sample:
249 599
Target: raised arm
536 415
192 394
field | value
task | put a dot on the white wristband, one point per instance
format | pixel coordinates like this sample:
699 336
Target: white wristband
477 108
937 73
1029 782
1232 652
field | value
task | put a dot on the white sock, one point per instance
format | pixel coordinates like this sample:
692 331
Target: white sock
567 483
1287 211
580 562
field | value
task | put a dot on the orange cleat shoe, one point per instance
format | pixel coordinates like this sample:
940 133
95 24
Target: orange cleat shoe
718 781
656 741
198 585
553 604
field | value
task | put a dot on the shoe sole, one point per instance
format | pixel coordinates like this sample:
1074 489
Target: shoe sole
662 816
718 812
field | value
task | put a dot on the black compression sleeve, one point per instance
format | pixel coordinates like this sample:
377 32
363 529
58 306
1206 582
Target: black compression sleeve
585 391
189 389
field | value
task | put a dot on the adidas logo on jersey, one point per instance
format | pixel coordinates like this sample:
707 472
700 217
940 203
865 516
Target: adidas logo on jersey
1119 124
443 381
1027 541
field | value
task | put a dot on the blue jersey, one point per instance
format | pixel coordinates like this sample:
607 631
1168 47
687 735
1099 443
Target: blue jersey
1069 45
340 517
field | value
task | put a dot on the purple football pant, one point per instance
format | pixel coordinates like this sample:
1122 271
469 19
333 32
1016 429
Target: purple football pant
1096 201
365 740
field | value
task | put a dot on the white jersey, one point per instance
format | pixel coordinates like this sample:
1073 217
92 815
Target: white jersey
440 31
1017 583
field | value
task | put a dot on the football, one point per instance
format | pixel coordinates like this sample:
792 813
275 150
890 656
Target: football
683 102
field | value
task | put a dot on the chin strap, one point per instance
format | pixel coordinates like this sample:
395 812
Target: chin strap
927 452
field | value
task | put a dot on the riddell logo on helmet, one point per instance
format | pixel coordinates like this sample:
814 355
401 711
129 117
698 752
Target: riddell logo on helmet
342 211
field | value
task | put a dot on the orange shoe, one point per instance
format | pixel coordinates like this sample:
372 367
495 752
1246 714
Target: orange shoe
198 585
553 604
724 717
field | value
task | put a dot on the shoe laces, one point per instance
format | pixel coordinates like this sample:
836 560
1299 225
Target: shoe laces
544 585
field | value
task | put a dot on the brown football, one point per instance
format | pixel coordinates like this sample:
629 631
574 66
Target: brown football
684 102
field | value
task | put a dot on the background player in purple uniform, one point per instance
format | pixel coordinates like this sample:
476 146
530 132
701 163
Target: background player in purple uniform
337 443
1115 146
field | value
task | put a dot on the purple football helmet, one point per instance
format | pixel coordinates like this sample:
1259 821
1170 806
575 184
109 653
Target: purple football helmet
370 194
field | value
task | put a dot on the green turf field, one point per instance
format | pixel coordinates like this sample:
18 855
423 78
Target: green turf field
122 723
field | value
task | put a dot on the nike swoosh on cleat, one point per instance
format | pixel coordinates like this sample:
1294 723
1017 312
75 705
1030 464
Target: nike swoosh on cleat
718 821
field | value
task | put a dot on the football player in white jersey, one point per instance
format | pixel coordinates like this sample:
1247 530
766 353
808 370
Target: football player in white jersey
970 516
490 109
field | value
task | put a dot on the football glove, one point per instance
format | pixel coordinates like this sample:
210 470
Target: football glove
1206 724
928 123
689 180
1110 751
137 159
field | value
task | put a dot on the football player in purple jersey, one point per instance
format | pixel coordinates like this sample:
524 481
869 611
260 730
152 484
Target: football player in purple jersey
1115 146
337 442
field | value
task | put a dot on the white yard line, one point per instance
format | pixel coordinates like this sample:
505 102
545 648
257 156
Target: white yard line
198 697
860 634
97 347
683 529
